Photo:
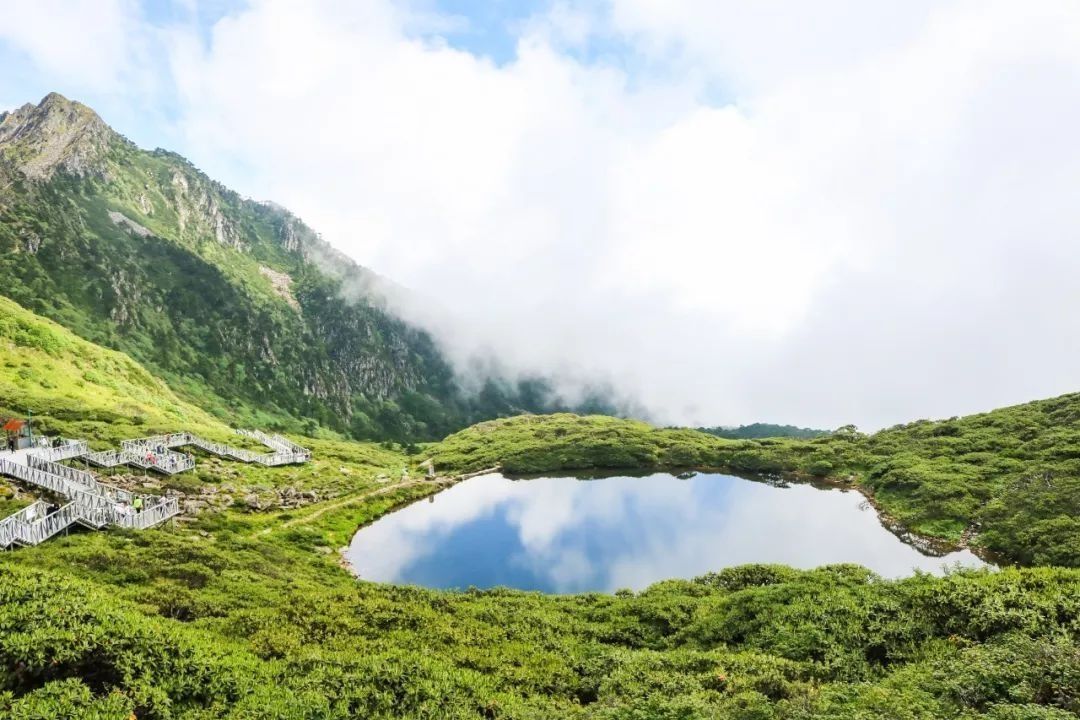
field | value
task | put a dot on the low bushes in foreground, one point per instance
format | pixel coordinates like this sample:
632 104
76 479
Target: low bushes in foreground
748 642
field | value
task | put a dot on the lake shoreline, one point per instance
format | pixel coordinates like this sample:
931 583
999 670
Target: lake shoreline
362 558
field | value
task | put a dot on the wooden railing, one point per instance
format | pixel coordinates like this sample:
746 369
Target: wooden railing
153 453
284 458
35 533
95 504
286 452
65 471
151 515
170 440
44 480
82 478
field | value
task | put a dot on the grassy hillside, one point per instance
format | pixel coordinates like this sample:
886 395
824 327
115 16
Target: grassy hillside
1011 475
249 630
242 610
80 389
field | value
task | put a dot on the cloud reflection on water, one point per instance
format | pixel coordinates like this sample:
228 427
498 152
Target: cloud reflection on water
569 535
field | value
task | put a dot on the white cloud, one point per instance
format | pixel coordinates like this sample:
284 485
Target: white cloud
768 44
88 42
877 224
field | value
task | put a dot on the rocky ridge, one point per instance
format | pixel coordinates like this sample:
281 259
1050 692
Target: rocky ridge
56 134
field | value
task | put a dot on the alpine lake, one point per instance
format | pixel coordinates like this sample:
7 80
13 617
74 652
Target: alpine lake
569 535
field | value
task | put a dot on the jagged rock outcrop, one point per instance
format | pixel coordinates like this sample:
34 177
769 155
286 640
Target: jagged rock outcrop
199 211
56 134
282 284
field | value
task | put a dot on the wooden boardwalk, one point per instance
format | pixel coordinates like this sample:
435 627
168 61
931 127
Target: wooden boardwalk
88 502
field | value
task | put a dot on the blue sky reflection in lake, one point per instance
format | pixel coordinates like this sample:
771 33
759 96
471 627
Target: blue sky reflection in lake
568 535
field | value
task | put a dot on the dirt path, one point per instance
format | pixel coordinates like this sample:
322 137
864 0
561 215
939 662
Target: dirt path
439 483
350 501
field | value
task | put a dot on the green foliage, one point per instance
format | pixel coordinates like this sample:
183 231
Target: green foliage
74 386
9 503
270 632
246 613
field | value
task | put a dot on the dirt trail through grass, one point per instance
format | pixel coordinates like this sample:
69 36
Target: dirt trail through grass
438 484
352 499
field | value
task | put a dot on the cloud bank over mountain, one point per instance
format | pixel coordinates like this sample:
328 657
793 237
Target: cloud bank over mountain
814 214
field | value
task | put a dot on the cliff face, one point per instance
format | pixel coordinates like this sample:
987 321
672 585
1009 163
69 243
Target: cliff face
237 303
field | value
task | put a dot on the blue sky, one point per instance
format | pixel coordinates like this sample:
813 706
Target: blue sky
487 28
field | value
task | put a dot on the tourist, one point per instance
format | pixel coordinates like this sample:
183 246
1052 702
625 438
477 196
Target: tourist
137 504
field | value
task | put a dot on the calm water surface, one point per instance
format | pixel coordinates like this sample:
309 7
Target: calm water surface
567 535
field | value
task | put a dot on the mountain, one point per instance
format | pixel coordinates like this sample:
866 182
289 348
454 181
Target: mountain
237 304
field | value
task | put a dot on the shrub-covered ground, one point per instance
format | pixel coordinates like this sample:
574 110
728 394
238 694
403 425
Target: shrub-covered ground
1011 477
246 614
236 618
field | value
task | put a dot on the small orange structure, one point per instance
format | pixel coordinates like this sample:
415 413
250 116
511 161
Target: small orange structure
16 434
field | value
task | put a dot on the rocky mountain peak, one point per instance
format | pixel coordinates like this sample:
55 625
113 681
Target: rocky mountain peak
56 134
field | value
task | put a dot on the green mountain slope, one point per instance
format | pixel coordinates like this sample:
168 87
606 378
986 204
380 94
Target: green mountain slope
237 304
81 390
243 610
